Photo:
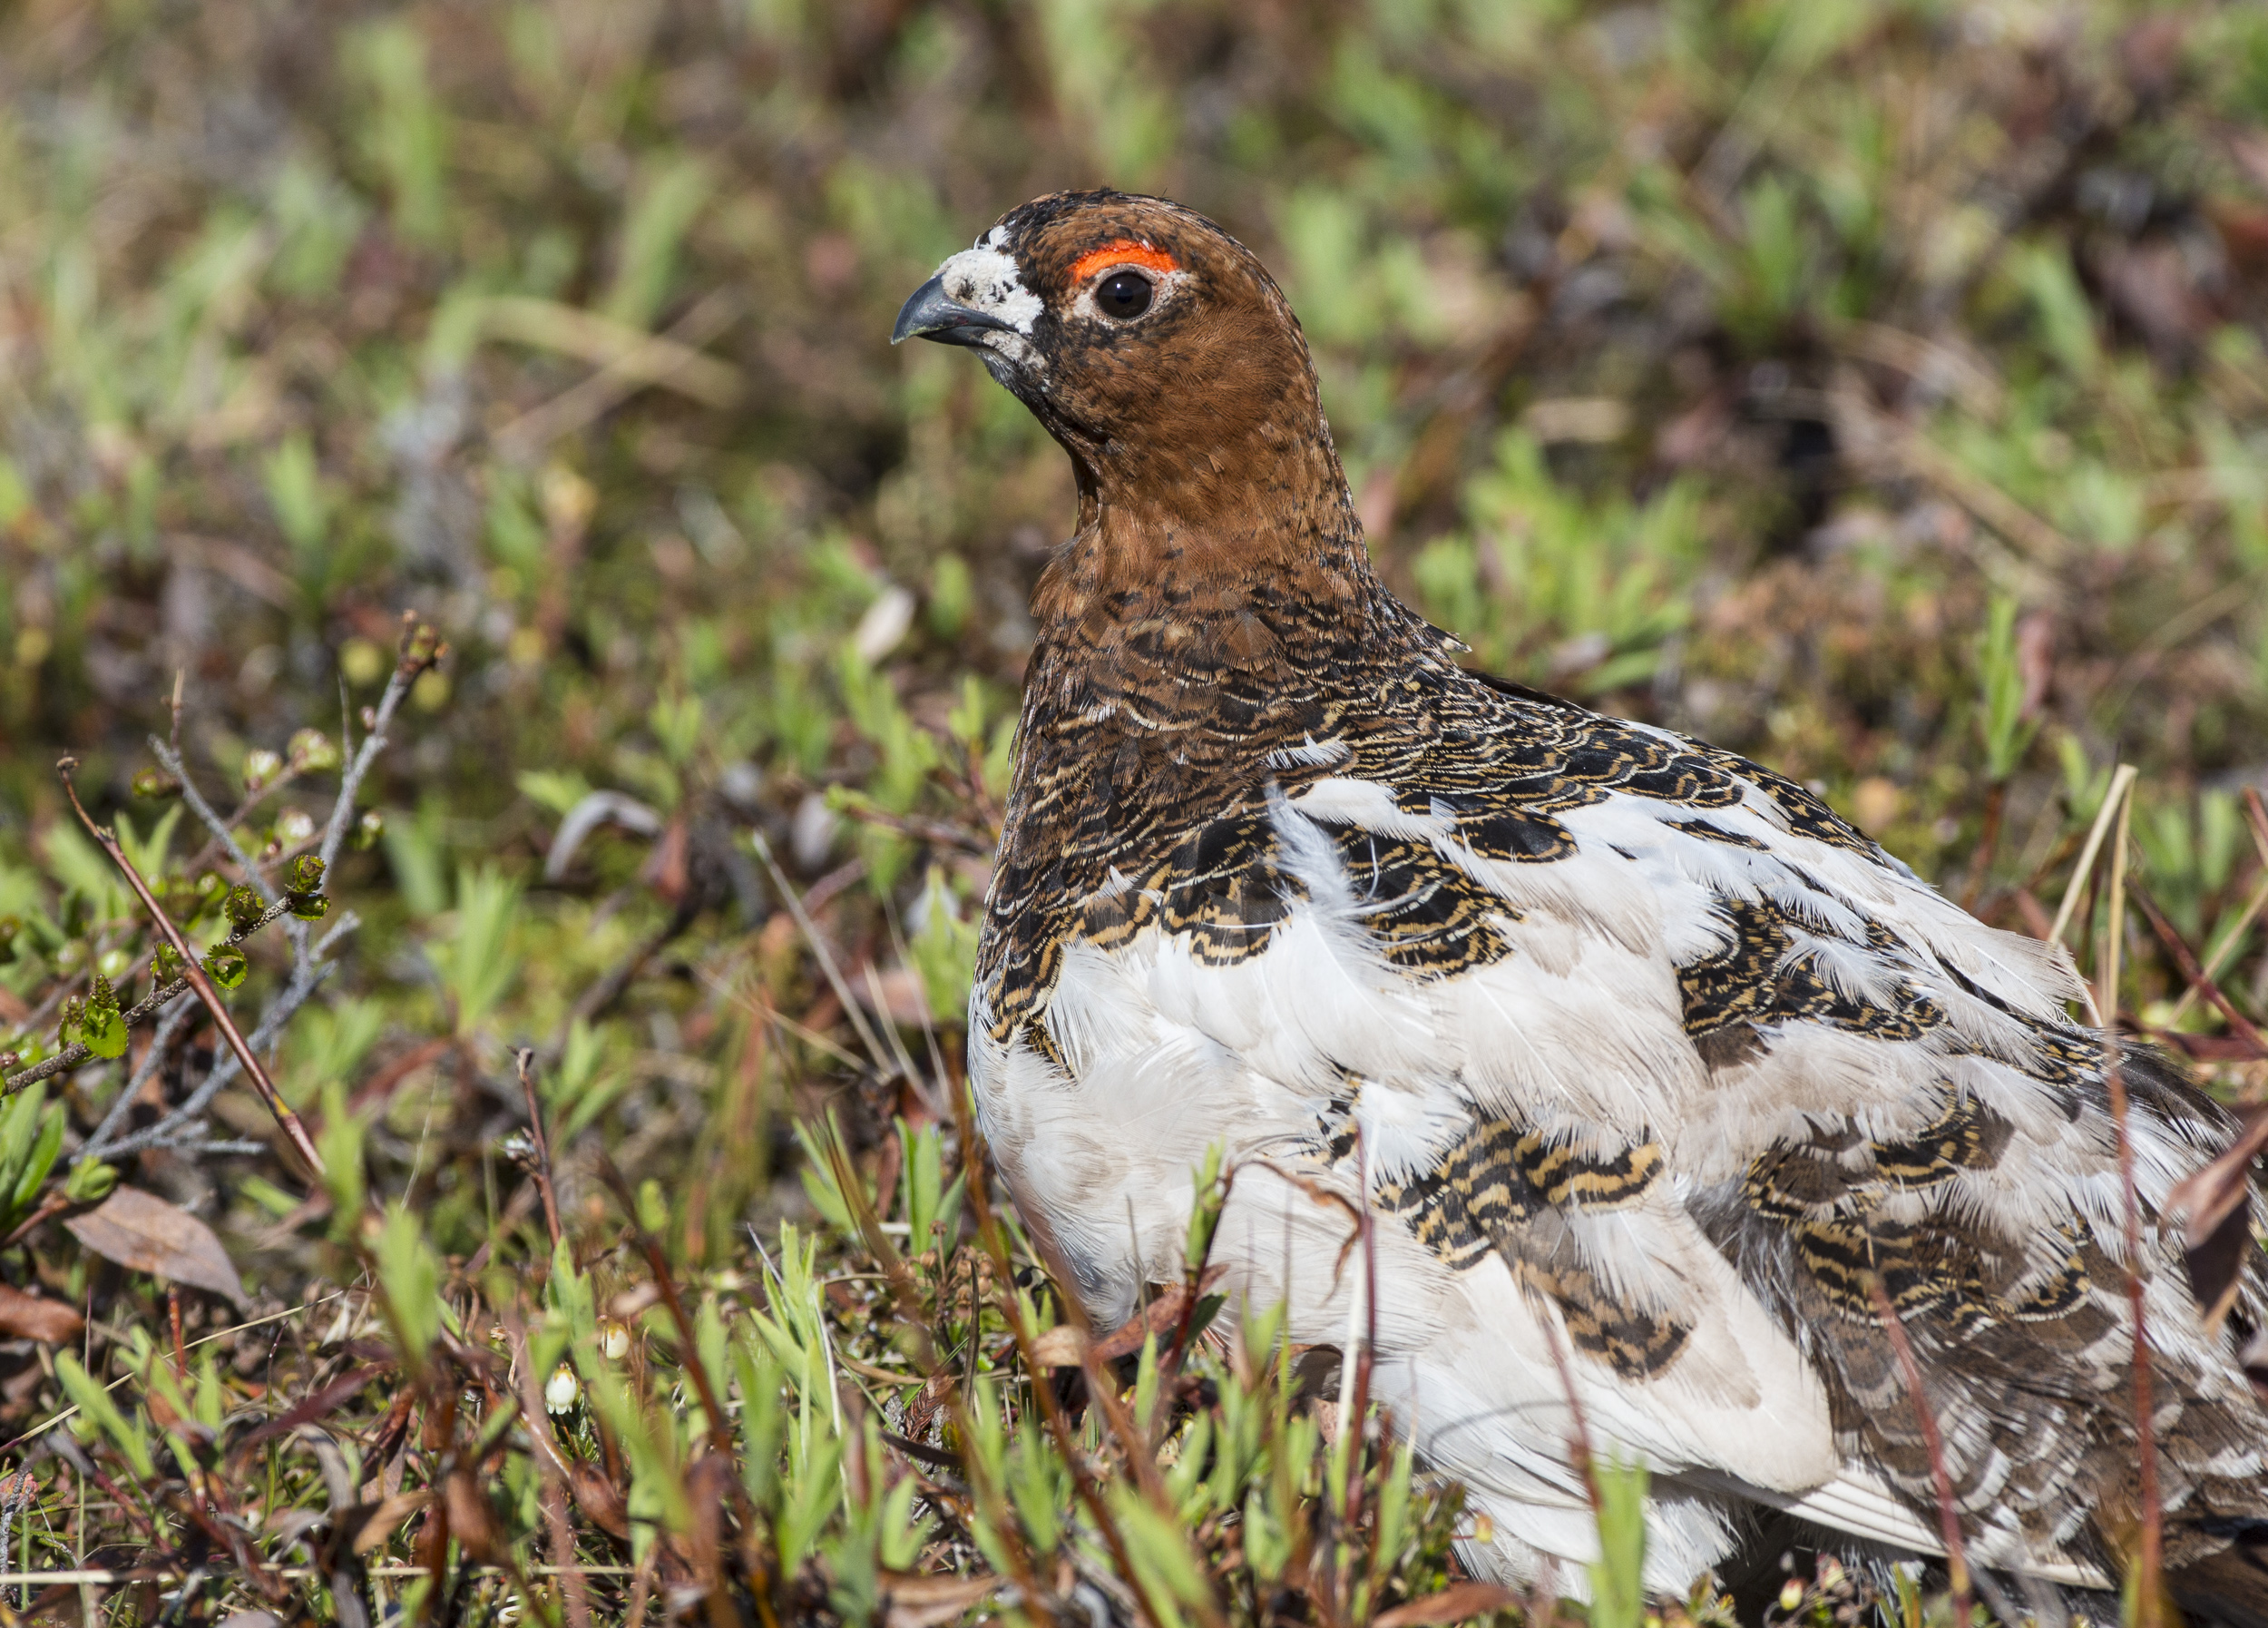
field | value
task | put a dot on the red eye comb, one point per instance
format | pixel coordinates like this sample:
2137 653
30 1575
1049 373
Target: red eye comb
1124 252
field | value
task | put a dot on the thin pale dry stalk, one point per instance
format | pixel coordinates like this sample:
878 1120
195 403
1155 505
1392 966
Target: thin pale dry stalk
524 1060
824 956
2108 958
659 359
2103 997
2113 801
193 970
1948 1514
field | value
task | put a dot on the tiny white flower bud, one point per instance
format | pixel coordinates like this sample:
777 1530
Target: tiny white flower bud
562 1389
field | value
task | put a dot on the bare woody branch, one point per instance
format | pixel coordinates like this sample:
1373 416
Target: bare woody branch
194 975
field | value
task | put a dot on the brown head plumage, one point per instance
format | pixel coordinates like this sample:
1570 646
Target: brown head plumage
1159 352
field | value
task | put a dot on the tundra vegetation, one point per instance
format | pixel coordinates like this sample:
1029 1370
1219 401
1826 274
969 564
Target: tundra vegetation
484 1137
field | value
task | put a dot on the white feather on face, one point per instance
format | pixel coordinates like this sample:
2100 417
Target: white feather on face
986 279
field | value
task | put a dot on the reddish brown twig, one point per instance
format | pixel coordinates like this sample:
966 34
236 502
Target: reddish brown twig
1948 1514
1988 843
526 1060
553 1467
1357 1422
194 971
665 1284
1579 1438
2150 1558
2185 959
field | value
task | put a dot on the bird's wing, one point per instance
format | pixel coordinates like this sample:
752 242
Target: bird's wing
1664 1069
1697 1060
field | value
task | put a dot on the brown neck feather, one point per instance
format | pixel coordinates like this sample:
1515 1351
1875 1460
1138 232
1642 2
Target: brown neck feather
1256 519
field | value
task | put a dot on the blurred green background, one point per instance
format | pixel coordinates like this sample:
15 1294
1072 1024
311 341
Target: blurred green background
1876 388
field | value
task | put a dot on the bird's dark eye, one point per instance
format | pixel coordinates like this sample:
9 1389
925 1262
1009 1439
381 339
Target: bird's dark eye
1124 295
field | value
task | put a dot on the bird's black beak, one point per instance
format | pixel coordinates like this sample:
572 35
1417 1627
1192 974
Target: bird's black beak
931 315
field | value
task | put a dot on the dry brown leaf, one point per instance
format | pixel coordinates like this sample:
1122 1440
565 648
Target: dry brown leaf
597 1497
925 1602
146 1235
387 1519
1454 1604
470 1520
2216 1203
1162 1319
1060 1347
35 1317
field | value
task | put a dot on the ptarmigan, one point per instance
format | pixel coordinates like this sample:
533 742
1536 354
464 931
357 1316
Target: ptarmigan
1646 1053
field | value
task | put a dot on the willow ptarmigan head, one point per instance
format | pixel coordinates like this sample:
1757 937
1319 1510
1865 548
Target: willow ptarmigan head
1159 353
1659 1078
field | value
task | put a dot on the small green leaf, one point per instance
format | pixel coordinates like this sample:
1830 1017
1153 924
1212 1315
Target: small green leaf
104 1033
409 1282
311 749
19 1128
102 1414
226 965
1618 1577
90 1182
653 1208
42 1161
340 1143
